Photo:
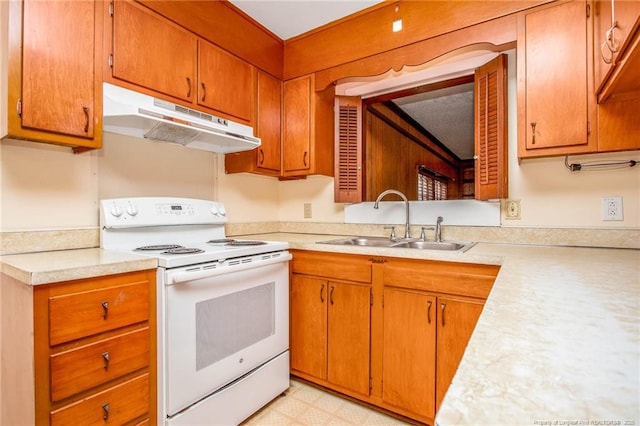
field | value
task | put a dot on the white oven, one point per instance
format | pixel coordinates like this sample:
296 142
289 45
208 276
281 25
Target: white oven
219 325
223 308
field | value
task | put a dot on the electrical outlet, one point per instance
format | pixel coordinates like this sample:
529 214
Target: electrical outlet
612 208
307 210
513 209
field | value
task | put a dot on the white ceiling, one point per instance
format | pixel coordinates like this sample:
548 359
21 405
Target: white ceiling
289 18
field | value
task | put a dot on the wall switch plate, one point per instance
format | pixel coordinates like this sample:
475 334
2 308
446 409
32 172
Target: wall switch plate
612 208
307 210
513 209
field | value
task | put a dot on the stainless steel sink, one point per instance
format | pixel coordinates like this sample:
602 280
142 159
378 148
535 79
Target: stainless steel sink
364 241
401 243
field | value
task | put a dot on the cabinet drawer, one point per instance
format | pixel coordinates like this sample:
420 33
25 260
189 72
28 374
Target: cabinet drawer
82 314
82 368
333 266
471 280
117 405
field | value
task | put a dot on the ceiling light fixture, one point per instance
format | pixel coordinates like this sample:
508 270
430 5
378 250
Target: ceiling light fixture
397 23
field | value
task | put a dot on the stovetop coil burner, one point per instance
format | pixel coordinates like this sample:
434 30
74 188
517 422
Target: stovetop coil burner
245 243
160 247
220 241
183 250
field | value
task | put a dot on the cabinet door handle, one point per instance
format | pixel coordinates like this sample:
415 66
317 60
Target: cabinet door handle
204 91
188 87
322 293
105 309
105 411
443 306
106 357
86 118
429 312
304 158
261 156
533 131
331 295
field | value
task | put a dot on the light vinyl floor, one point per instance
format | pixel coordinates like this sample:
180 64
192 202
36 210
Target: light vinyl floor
303 404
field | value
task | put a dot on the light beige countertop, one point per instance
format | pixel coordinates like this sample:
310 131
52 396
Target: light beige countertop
558 341
64 265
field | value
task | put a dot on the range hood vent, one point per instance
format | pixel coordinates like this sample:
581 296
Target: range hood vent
135 114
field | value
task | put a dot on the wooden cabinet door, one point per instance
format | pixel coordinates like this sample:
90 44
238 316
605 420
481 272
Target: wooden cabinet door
225 82
409 351
456 320
151 52
554 96
269 122
298 111
308 343
348 345
58 69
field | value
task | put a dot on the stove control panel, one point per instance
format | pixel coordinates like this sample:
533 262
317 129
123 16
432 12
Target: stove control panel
159 211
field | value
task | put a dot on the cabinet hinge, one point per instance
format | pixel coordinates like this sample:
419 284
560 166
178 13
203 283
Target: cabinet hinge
370 384
371 298
111 9
111 60
19 108
588 10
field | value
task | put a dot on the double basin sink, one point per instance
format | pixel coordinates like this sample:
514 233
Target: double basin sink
411 243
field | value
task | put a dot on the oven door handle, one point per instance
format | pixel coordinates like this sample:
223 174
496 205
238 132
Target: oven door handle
182 276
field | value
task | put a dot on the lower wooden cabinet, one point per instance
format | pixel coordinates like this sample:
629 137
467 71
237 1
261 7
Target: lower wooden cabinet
330 328
90 351
388 331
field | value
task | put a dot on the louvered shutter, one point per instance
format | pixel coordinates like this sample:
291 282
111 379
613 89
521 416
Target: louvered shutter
491 129
348 152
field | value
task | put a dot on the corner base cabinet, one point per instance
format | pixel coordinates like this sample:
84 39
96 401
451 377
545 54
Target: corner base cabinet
388 331
84 353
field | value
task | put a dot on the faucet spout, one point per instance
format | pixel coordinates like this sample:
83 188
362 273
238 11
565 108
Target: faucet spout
439 229
407 230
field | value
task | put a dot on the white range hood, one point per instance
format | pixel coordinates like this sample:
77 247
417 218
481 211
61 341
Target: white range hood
135 114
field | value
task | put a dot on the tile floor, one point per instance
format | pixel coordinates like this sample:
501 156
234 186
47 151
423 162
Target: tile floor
307 405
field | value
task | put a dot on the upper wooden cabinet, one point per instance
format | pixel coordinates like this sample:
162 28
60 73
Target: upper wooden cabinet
617 35
267 158
307 128
225 82
55 84
152 53
556 102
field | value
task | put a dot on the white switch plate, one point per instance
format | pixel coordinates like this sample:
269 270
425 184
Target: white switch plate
512 209
612 208
307 211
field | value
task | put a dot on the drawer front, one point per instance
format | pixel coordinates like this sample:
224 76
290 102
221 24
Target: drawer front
78 315
82 368
332 266
117 405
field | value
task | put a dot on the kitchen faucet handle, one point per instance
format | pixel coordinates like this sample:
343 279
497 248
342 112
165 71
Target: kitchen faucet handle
393 232
423 236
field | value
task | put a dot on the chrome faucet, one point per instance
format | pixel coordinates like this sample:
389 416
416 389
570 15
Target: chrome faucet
407 231
439 229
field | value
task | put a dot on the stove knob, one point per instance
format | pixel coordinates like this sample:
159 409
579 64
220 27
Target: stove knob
115 211
222 211
132 210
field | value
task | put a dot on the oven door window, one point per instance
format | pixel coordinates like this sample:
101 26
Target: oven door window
225 325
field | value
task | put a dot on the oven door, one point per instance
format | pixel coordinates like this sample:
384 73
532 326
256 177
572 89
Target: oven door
222 324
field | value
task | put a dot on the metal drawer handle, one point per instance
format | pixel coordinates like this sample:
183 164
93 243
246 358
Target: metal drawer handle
331 294
86 118
429 312
444 305
304 158
204 91
322 293
261 156
105 356
533 131
188 87
105 309
105 411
